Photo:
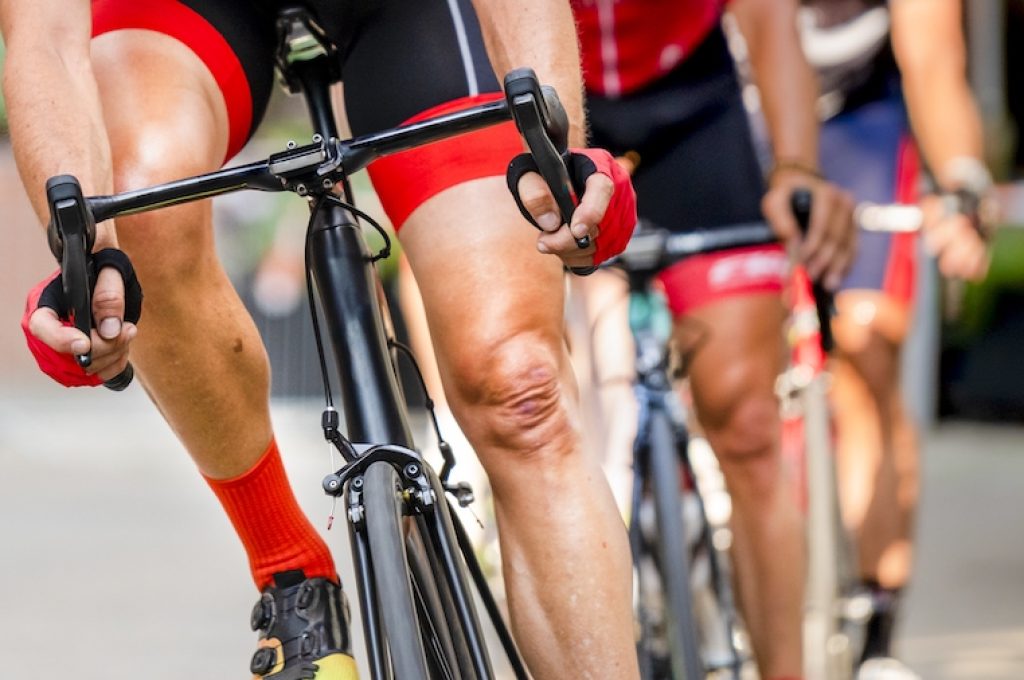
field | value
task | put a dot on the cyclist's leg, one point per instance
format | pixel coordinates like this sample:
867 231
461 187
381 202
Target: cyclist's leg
866 150
603 356
494 305
737 353
877 449
700 172
497 320
198 354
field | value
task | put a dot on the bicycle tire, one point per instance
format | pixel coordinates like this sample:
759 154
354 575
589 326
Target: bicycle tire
391 573
673 559
444 637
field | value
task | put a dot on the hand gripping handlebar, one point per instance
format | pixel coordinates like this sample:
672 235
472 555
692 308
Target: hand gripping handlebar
71 235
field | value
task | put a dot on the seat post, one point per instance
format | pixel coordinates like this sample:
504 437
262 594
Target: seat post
308 63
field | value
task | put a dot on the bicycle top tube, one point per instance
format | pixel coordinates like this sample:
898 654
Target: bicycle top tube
653 248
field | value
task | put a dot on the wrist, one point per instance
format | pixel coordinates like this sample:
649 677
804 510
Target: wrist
792 171
965 173
965 188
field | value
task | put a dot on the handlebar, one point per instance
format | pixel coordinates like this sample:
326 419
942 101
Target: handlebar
653 248
310 170
893 217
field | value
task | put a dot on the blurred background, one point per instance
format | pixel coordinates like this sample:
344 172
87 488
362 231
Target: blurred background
115 561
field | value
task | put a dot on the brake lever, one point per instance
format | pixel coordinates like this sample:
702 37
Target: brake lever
544 125
71 234
824 301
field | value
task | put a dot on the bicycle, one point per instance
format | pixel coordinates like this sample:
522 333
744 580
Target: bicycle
699 641
832 606
688 625
414 562
836 608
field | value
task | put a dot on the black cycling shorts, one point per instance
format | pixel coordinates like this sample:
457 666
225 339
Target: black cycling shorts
698 170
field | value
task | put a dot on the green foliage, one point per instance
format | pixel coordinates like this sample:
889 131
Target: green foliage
979 301
3 107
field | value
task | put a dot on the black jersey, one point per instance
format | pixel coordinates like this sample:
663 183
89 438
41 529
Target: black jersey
847 43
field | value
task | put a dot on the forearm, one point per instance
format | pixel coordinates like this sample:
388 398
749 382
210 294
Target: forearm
54 113
787 83
540 34
929 46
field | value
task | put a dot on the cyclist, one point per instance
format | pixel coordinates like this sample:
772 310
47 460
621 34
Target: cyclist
893 52
662 91
124 94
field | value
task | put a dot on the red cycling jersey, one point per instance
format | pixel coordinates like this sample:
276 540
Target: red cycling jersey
627 44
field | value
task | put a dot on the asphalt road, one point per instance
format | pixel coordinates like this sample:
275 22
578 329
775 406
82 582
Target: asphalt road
116 563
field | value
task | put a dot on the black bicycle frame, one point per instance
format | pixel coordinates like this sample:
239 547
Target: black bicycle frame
348 291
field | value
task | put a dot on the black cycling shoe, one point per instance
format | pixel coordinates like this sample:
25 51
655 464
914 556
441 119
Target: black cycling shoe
304 635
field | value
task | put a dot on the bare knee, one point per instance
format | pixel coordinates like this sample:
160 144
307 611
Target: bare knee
744 430
869 332
876 365
510 397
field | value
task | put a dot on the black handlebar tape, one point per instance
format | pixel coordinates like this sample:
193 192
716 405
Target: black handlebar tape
800 202
122 380
71 235
544 124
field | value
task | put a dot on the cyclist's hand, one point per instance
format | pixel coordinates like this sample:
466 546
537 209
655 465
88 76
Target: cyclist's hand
606 211
54 342
954 240
831 242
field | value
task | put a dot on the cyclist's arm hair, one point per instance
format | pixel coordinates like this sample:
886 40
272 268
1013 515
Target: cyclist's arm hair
928 40
53 104
540 34
787 83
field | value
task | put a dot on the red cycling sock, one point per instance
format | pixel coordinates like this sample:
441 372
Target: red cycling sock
277 535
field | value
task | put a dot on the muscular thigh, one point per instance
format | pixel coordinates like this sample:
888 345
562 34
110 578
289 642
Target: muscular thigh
172 64
165 120
164 114
182 91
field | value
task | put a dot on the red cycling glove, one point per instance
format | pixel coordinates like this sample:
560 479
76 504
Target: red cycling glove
620 217
64 368
61 367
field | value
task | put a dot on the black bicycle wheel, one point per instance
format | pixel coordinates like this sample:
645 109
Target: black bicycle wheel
391 574
443 636
673 560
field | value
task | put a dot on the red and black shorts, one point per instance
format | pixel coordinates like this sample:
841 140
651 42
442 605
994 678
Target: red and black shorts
698 169
401 61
